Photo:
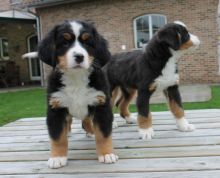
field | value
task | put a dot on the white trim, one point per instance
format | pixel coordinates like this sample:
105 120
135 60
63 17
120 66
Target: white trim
30 60
150 26
15 14
5 58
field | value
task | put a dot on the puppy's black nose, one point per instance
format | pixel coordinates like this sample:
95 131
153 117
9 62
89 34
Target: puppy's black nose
79 58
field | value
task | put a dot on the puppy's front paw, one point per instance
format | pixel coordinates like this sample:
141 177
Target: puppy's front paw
146 134
184 126
108 158
57 162
101 99
54 103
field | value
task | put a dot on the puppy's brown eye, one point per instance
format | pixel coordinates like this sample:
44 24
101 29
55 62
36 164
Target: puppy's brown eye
85 36
67 36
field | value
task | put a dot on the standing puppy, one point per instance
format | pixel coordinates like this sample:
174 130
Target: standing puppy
153 69
77 88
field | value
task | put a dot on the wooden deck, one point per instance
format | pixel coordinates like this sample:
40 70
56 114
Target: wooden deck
24 150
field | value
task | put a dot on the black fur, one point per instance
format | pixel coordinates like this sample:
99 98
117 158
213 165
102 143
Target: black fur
53 46
139 69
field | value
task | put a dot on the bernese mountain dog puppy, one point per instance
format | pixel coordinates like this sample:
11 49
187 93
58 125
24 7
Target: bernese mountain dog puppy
153 69
77 87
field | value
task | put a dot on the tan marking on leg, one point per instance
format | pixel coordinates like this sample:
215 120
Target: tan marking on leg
153 87
186 45
59 147
101 99
88 125
124 104
103 144
54 103
115 94
145 122
177 111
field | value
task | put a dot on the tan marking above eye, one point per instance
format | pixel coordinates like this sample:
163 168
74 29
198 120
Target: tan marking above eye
67 36
85 36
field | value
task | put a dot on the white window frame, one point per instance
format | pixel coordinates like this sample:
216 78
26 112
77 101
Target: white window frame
33 78
1 49
150 26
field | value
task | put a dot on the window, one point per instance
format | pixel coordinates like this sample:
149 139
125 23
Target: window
4 49
145 26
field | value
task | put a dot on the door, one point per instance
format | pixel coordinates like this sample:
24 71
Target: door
34 63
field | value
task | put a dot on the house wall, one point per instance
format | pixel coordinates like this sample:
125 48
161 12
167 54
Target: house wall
114 19
17 32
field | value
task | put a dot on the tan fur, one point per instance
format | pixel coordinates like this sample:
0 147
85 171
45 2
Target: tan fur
101 99
88 125
62 62
177 111
153 87
103 144
59 147
186 45
144 122
54 103
115 93
124 104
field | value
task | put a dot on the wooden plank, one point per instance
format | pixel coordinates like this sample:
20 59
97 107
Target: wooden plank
164 152
179 174
123 128
123 165
42 125
126 144
117 136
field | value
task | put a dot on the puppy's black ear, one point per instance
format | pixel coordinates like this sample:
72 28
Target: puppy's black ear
47 48
169 36
101 49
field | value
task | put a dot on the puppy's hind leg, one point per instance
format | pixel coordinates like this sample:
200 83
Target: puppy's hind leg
87 125
175 104
128 95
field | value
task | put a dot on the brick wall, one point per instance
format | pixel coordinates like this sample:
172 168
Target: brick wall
114 19
4 5
17 32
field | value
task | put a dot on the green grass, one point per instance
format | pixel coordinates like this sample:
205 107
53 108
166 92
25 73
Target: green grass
214 103
32 103
22 104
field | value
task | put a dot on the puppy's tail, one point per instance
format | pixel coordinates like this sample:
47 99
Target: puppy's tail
30 55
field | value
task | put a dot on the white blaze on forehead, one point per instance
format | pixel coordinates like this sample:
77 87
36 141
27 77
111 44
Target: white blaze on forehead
180 23
76 27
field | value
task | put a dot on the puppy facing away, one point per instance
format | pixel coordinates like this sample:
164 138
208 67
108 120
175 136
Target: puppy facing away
77 87
153 69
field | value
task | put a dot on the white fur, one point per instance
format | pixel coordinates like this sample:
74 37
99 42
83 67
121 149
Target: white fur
76 95
114 124
183 125
146 133
108 158
77 49
57 162
30 55
130 120
180 23
195 40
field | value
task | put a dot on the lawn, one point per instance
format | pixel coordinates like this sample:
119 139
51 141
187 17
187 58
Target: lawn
32 103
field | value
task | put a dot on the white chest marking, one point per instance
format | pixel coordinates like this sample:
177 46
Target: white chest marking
169 76
76 95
